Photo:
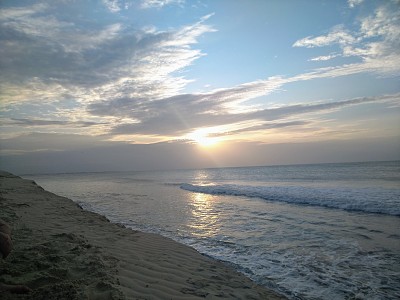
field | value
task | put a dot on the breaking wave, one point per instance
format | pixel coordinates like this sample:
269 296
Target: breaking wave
371 200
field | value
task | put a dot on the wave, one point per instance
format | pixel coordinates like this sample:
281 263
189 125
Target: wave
371 200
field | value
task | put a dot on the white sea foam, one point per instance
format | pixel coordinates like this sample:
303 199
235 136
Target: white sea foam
352 199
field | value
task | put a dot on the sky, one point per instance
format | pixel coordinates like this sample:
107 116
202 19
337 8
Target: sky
115 85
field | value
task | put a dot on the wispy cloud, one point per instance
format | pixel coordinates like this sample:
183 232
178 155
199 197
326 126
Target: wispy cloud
160 3
323 57
338 35
376 42
113 5
116 6
262 127
51 123
354 3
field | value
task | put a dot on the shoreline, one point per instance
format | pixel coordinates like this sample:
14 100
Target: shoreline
64 252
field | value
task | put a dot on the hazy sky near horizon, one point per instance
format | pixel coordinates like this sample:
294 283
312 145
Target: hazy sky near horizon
150 84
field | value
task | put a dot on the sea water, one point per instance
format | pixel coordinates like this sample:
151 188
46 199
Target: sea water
328 231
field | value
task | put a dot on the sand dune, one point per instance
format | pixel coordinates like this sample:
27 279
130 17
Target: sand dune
63 252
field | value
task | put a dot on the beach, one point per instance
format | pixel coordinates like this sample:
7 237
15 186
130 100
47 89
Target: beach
61 251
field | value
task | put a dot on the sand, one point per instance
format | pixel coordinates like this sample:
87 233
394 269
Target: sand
63 252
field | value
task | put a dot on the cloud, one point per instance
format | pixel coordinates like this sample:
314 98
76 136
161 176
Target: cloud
170 117
160 3
337 36
56 74
116 6
323 57
181 113
90 63
263 127
376 42
32 23
113 5
66 54
52 123
354 3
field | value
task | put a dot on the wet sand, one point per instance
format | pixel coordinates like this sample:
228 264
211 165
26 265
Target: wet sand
63 252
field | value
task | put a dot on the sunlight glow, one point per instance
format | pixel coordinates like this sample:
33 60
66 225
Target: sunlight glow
201 137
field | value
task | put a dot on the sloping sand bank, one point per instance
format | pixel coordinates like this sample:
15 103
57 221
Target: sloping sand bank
63 252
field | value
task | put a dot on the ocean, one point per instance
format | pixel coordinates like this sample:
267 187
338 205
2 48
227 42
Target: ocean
326 231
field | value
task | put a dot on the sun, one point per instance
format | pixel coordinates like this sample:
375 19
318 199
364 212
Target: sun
202 138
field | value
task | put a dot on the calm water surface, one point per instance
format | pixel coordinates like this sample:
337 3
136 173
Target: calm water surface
329 231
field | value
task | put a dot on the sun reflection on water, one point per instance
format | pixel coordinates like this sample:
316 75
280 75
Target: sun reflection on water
205 219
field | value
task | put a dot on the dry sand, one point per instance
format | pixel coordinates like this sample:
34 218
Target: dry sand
63 252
